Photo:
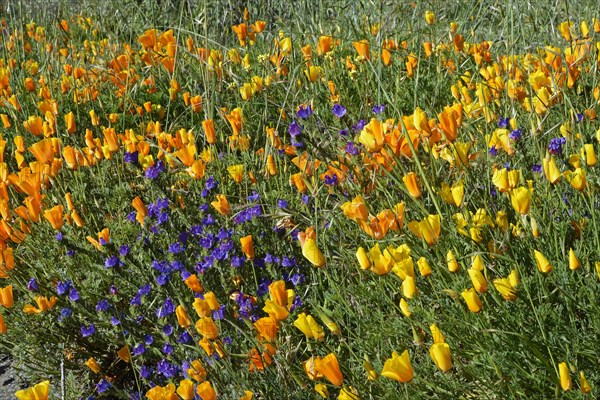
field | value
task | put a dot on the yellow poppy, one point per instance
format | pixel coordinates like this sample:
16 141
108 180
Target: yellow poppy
398 367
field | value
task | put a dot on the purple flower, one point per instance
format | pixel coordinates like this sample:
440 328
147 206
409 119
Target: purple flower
492 151
343 132
59 236
338 110
131 158
73 294
112 261
154 171
537 168
88 330
136 300
294 129
305 199
211 183
579 118
288 262
162 202
282 203
131 217
102 386
65 312
163 217
102 305
263 287
352 149
556 144
145 372
237 261
176 248
254 196
124 250
138 350
185 338
516 134
378 108
115 321
297 303
297 279
63 287
70 253
503 122
219 314
304 112
166 369
32 285
162 279
144 290
331 180
168 329
148 339
359 126
167 348
167 309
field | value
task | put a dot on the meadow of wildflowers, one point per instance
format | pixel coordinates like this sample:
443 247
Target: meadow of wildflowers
340 200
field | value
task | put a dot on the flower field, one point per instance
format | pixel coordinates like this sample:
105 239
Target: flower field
343 200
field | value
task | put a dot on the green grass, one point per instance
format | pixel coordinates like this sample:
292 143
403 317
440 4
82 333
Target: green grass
510 349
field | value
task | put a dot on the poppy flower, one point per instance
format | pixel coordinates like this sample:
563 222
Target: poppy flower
311 329
363 259
329 367
412 185
565 377
207 328
275 311
221 205
201 307
182 317
398 367
312 253
521 199
278 293
321 389
576 178
440 354
185 390
206 391
6 296
37 392
472 299
584 385
551 171
196 371
93 365
542 262
427 229
43 303
193 283
212 301
162 393
247 246
267 328
424 267
362 48
34 124
478 280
